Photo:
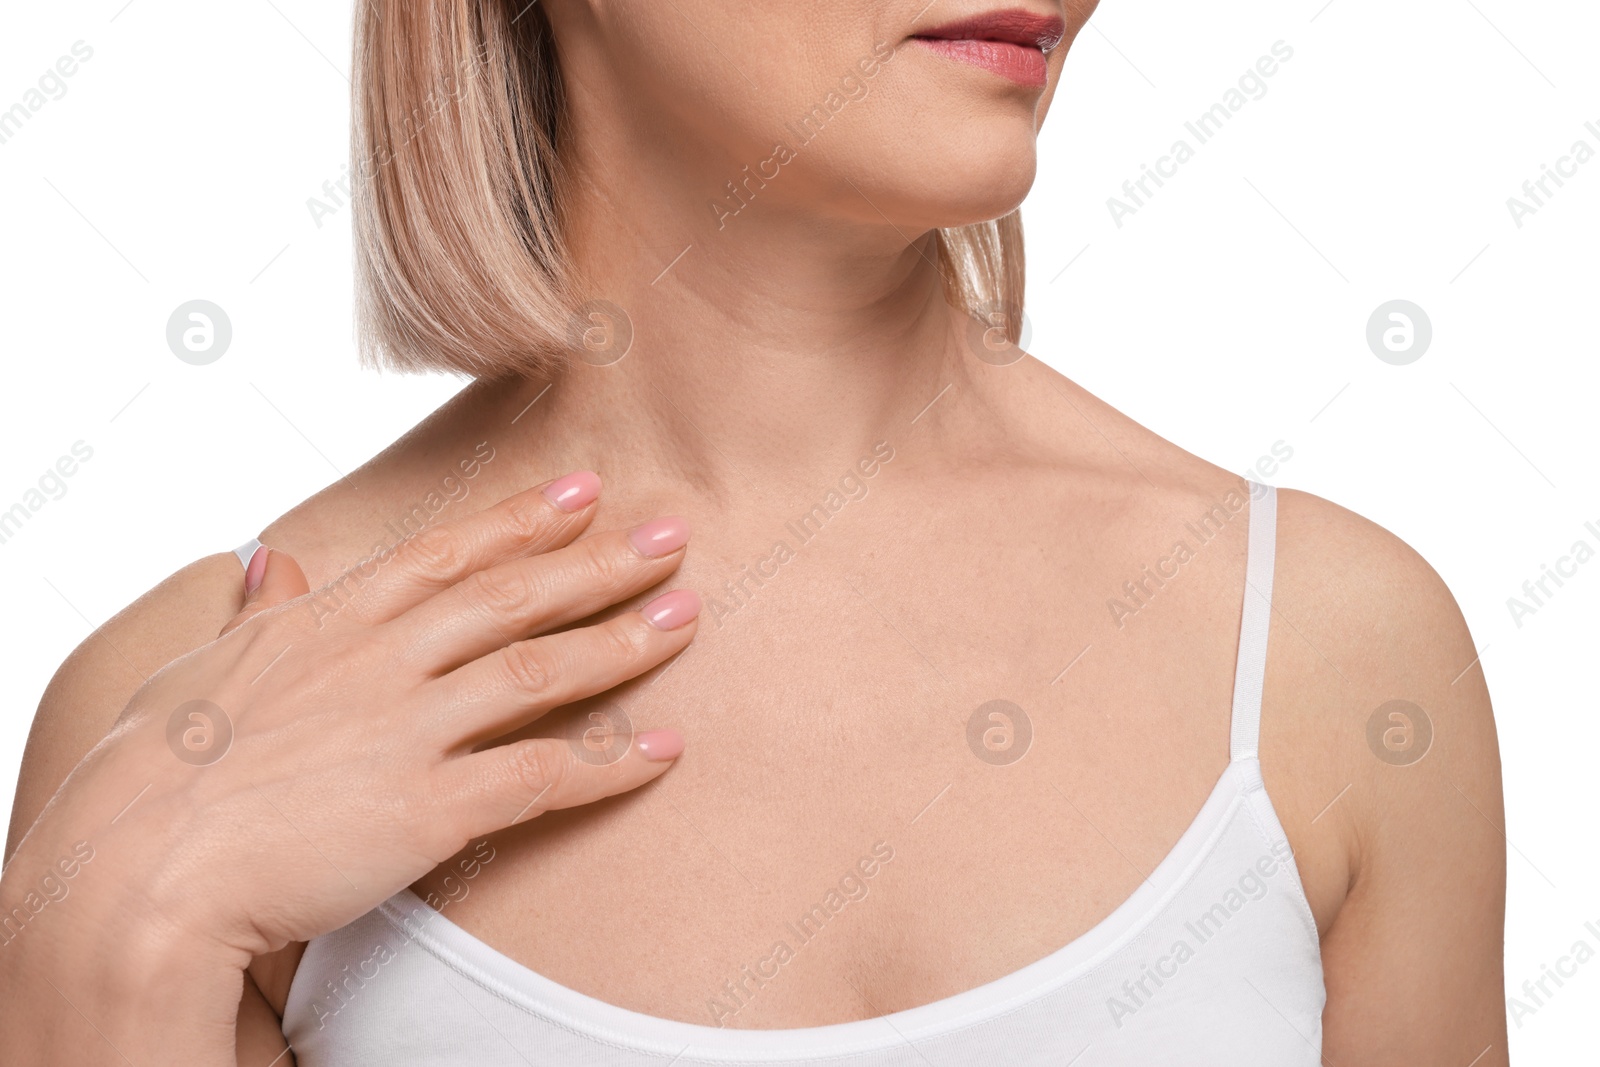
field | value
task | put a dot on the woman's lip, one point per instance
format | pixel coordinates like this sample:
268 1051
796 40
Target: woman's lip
1012 42
1011 26
1022 64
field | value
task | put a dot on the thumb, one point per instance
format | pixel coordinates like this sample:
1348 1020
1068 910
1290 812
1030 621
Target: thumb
270 579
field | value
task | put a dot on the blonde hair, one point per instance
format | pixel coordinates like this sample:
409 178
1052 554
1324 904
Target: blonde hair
457 134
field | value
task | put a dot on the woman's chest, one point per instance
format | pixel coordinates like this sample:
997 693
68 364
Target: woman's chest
896 785
920 755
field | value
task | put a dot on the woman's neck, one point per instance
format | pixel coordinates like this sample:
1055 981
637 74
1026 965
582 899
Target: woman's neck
767 344
751 363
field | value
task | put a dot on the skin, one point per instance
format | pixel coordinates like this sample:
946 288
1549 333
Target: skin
359 728
830 709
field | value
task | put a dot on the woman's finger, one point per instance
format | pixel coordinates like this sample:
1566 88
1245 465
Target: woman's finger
492 608
270 578
514 685
514 783
526 523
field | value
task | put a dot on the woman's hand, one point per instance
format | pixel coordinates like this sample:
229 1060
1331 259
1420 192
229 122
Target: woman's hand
320 755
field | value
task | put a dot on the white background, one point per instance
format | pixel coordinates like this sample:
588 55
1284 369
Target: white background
1227 314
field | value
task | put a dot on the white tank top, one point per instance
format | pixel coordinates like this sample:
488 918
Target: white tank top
1214 960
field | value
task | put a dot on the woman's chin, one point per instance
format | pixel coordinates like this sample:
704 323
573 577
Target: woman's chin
973 202
959 189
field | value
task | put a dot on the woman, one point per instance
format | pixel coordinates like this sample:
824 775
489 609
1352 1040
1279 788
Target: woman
985 758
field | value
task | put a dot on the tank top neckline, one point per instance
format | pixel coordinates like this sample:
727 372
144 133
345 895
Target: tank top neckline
609 1024
606 1023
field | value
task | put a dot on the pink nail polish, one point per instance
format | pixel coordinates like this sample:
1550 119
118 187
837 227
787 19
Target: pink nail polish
658 746
659 537
256 571
672 610
574 491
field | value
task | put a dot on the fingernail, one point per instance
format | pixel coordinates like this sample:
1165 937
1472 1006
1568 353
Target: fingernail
575 491
658 537
658 746
256 571
672 610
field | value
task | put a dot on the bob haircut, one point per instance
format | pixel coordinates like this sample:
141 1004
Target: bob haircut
457 124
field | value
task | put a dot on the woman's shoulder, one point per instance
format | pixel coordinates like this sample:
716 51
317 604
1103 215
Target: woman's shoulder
1334 556
96 680
1367 621
1375 696
326 533
452 463
1384 690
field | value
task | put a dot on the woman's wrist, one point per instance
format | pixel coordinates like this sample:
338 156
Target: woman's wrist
92 988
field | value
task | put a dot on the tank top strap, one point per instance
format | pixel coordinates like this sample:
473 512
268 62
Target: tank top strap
246 550
1256 621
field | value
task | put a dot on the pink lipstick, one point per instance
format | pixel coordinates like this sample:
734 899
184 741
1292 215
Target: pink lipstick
1012 43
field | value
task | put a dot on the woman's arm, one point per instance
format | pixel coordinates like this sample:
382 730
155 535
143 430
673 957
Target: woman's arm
1414 960
93 685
